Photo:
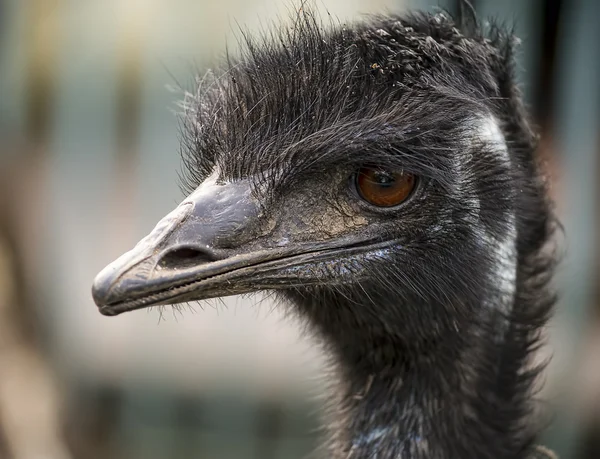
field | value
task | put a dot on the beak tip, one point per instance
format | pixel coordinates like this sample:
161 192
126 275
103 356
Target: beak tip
102 287
104 296
107 311
101 291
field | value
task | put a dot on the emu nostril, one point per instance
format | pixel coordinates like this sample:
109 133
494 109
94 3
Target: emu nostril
186 257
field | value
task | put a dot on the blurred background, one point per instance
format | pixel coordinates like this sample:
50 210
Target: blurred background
88 163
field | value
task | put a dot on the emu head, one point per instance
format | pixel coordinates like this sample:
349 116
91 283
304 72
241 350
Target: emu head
379 175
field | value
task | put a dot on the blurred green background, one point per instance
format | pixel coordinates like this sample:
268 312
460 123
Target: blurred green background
89 161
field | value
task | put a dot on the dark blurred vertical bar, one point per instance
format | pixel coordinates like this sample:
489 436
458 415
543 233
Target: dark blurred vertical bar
41 71
269 423
2 26
129 83
591 445
576 125
542 96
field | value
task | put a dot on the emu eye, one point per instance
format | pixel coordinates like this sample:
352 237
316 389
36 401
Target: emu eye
383 188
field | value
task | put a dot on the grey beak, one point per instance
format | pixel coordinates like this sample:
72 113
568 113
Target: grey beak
184 248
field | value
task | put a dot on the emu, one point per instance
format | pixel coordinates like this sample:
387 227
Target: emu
381 179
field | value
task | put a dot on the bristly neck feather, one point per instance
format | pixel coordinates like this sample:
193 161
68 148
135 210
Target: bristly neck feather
461 395
444 397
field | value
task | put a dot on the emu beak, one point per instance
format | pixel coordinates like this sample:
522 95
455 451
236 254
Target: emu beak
182 258
218 243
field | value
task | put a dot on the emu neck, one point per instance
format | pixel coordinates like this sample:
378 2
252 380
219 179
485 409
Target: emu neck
395 410
434 398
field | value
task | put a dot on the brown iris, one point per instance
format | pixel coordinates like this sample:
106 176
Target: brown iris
383 188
